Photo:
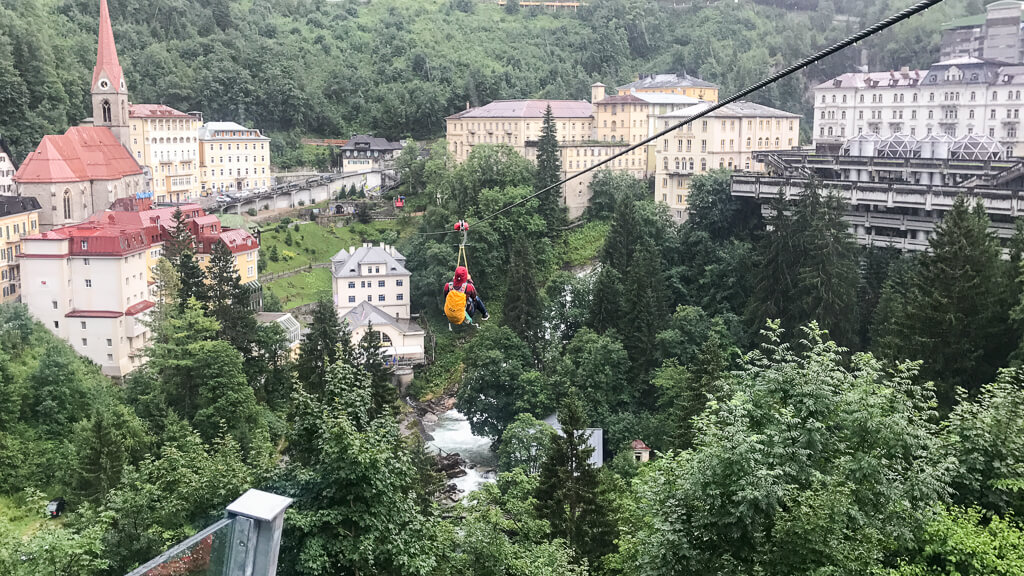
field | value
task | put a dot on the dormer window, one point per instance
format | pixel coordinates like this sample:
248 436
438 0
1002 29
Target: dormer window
85 244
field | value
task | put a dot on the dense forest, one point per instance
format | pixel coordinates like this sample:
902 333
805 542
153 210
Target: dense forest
300 68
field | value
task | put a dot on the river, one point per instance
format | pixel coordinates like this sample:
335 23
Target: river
452 434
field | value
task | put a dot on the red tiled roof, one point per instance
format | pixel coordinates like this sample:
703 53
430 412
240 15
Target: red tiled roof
529 109
106 52
138 308
81 154
639 445
237 240
155 111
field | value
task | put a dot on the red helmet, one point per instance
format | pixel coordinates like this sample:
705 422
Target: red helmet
461 273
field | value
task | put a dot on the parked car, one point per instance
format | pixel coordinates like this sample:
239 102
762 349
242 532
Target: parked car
55 508
223 199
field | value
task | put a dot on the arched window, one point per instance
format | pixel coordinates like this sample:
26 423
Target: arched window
777 142
748 143
691 164
666 163
67 204
106 111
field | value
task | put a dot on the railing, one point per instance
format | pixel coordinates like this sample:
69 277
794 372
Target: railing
245 543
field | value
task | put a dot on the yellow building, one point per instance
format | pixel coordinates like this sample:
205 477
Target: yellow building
167 141
679 84
517 123
232 158
19 216
726 138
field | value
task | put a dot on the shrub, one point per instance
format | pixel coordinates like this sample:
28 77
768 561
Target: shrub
251 211
302 203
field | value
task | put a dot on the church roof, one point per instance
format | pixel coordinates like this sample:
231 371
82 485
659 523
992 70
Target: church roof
81 154
106 53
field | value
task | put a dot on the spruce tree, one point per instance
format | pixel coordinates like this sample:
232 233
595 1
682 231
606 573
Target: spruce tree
382 390
644 308
180 240
567 494
522 298
623 237
826 289
326 342
549 172
606 303
957 313
229 301
192 278
775 276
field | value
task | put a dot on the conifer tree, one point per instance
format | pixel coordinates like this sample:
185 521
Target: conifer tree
775 276
181 238
567 493
826 289
549 172
623 237
606 302
229 301
956 316
326 342
522 298
644 303
382 390
192 278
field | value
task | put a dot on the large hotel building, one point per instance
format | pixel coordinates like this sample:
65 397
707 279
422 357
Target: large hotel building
589 132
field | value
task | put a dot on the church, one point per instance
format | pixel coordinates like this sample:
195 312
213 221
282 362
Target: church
85 170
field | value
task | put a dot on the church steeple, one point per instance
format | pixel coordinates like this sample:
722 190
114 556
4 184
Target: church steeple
109 91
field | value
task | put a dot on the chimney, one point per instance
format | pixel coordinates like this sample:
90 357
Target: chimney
467 104
597 92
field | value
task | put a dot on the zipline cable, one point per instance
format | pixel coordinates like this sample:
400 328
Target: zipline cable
863 34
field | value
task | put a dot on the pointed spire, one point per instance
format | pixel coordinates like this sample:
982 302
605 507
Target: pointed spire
106 54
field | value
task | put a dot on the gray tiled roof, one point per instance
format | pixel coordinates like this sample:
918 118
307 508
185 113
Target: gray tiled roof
346 265
10 205
364 141
652 81
366 313
738 109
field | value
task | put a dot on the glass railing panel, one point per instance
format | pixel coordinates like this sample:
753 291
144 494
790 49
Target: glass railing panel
208 553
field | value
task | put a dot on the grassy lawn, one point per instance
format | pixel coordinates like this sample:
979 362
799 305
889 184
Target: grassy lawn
17 518
302 288
312 243
583 244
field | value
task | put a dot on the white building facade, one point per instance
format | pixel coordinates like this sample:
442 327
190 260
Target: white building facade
958 97
89 287
7 169
374 274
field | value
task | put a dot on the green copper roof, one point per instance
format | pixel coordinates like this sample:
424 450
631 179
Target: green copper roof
965 22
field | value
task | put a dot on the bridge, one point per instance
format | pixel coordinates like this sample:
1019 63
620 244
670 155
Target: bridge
304 192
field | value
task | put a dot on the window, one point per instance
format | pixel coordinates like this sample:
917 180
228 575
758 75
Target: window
351 284
88 283
400 297
110 357
83 325
106 111
351 298
380 297
56 324
398 283
381 283
109 342
54 304
67 207
85 341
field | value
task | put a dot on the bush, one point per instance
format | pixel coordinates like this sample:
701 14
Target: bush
251 211
266 206
302 203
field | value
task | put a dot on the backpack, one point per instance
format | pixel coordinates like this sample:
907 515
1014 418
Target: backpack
455 304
